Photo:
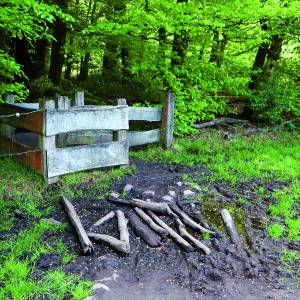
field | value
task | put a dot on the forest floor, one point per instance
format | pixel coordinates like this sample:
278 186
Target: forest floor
252 173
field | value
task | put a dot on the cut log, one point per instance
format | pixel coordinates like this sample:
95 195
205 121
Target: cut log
173 234
161 208
123 229
74 219
103 220
183 232
114 243
230 227
162 232
219 121
187 220
143 231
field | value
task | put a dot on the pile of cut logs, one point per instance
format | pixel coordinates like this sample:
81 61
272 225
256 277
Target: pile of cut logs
146 224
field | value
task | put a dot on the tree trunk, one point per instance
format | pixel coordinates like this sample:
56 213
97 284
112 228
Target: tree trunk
125 63
23 58
218 48
40 58
180 45
110 60
68 70
84 67
260 58
274 52
57 51
259 62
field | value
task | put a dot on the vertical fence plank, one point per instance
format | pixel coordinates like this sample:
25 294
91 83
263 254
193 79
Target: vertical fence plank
121 135
63 103
167 128
8 130
79 99
46 143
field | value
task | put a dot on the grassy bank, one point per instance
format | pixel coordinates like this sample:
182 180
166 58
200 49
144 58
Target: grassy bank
20 249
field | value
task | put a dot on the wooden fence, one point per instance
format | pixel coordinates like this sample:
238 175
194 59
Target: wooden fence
60 138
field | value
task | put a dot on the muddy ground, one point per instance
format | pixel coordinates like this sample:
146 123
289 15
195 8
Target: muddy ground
169 273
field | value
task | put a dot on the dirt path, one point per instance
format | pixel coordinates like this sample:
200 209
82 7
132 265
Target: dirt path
169 273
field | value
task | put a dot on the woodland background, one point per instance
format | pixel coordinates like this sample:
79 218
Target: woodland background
219 57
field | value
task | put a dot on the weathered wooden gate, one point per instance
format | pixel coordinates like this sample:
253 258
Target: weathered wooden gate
60 138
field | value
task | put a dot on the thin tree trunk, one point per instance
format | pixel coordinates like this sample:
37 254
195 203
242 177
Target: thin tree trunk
125 63
180 45
218 48
57 51
84 67
274 52
259 61
23 58
40 58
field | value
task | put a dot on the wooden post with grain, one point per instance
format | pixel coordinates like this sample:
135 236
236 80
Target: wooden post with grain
167 126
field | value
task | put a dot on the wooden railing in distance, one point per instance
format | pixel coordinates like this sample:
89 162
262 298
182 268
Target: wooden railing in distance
164 134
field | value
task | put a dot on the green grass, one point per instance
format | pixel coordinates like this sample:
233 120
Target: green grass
22 189
242 158
237 159
18 257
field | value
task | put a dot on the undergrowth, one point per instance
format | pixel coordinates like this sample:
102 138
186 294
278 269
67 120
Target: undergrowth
24 190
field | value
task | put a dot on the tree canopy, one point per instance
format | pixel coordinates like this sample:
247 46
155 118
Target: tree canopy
219 57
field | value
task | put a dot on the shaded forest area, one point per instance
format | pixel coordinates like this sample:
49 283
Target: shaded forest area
219 57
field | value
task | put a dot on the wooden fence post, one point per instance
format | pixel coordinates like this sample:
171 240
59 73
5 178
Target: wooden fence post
121 135
79 99
46 142
167 127
63 103
7 130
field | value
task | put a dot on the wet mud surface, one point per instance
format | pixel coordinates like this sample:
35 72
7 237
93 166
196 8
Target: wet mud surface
167 272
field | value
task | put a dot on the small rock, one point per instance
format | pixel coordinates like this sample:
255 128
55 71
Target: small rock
114 196
148 194
167 198
172 193
189 194
197 188
52 221
99 286
128 188
179 183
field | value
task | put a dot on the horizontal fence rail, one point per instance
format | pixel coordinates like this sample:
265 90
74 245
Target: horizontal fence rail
57 138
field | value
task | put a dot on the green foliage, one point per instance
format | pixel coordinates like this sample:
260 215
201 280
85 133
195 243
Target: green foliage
93 184
15 192
277 97
16 273
23 19
276 231
236 159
